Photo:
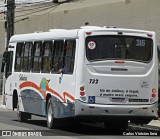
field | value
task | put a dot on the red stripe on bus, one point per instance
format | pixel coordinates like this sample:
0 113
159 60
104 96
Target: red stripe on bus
64 95
55 93
31 84
68 95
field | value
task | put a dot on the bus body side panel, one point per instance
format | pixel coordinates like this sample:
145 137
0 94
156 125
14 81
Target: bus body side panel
8 93
34 89
62 110
33 94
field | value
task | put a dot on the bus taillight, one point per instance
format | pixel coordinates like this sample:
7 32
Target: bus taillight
88 33
82 88
149 35
82 93
153 95
119 62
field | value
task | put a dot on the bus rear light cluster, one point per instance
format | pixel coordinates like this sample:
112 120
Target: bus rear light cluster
154 93
82 93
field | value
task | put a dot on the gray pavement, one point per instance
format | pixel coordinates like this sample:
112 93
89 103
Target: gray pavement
2 107
0 99
155 123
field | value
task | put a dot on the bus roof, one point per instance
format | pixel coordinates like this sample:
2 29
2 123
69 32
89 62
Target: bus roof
73 33
55 33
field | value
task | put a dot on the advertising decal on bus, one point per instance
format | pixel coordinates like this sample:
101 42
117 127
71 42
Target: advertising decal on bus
45 87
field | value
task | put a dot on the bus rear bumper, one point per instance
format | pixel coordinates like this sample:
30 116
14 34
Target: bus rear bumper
130 111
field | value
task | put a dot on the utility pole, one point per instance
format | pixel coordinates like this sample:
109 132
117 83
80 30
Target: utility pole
10 19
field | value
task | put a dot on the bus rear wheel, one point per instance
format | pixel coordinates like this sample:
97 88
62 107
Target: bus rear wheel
22 116
51 121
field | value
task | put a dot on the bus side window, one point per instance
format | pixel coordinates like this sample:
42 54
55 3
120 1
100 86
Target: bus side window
46 56
36 52
27 56
19 56
57 56
69 56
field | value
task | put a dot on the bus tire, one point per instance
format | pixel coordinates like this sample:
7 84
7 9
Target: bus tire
50 115
21 116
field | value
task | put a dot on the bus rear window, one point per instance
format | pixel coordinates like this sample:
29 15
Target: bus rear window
119 48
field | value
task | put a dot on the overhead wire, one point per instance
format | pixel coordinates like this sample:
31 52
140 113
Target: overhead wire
46 5
51 9
43 9
28 9
35 10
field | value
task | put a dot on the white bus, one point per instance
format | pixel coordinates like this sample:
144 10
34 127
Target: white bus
106 74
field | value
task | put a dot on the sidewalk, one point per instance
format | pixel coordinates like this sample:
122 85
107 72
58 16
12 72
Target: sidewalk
152 123
155 123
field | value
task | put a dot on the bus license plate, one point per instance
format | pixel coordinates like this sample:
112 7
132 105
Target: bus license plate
119 100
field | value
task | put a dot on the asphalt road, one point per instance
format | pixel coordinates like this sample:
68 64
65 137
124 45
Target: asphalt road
85 130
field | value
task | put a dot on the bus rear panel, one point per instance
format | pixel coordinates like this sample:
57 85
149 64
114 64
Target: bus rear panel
120 76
